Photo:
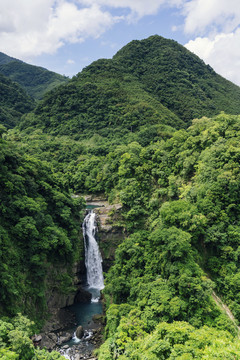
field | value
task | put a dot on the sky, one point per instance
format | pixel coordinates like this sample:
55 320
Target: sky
66 35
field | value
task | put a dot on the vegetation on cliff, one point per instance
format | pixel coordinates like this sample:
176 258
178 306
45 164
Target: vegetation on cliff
39 228
15 342
181 208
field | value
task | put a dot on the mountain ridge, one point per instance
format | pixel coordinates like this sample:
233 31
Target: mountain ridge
5 59
102 97
184 69
34 79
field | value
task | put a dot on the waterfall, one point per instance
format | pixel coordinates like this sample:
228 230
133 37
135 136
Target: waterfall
93 259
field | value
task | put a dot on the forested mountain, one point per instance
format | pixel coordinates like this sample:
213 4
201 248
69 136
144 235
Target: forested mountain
38 230
149 82
178 78
5 59
34 79
180 199
121 128
100 100
14 102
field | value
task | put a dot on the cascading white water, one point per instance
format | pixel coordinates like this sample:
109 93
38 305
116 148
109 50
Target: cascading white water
93 259
93 262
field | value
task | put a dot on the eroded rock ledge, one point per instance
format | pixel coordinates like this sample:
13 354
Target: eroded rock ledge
110 233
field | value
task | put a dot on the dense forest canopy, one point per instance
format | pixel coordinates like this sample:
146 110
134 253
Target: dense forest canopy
35 80
149 82
38 229
157 131
5 59
14 102
178 78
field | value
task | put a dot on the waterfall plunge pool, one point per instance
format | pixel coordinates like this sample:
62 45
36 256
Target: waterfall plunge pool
95 283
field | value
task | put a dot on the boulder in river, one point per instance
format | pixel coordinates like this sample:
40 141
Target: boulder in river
47 342
79 332
64 338
36 340
53 337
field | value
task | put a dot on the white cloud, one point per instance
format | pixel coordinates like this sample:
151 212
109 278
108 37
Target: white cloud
174 28
222 52
217 26
30 28
137 8
70 62
209 15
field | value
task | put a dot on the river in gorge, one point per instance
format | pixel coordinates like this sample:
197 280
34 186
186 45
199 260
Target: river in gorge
94 284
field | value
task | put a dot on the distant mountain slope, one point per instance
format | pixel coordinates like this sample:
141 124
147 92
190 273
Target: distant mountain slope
179 79
149 82
14 102
100 100
34 79
5 59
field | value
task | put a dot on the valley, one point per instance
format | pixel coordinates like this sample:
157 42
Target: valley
153 134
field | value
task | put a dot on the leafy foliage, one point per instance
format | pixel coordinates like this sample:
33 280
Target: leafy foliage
15 342
38 228
14 102
192 220
111 129
178 340
178 79
100 100
35 80
150 82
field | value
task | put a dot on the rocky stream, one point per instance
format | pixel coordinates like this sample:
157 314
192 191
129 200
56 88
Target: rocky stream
76 329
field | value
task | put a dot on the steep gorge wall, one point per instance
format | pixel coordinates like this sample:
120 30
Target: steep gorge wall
61 292
110 232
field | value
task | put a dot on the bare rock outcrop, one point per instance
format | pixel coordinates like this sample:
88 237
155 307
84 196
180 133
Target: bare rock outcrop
110 233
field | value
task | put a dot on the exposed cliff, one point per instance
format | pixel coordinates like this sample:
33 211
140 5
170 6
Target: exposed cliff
110 231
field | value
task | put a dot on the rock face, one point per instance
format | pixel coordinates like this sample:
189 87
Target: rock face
57 296
47 343
60 319
64 338
110 234
82 296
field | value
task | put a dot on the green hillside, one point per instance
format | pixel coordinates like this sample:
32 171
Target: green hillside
38 232
178 78
5 59
181 213
14 102
148 82
34 79
157 131
99 101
